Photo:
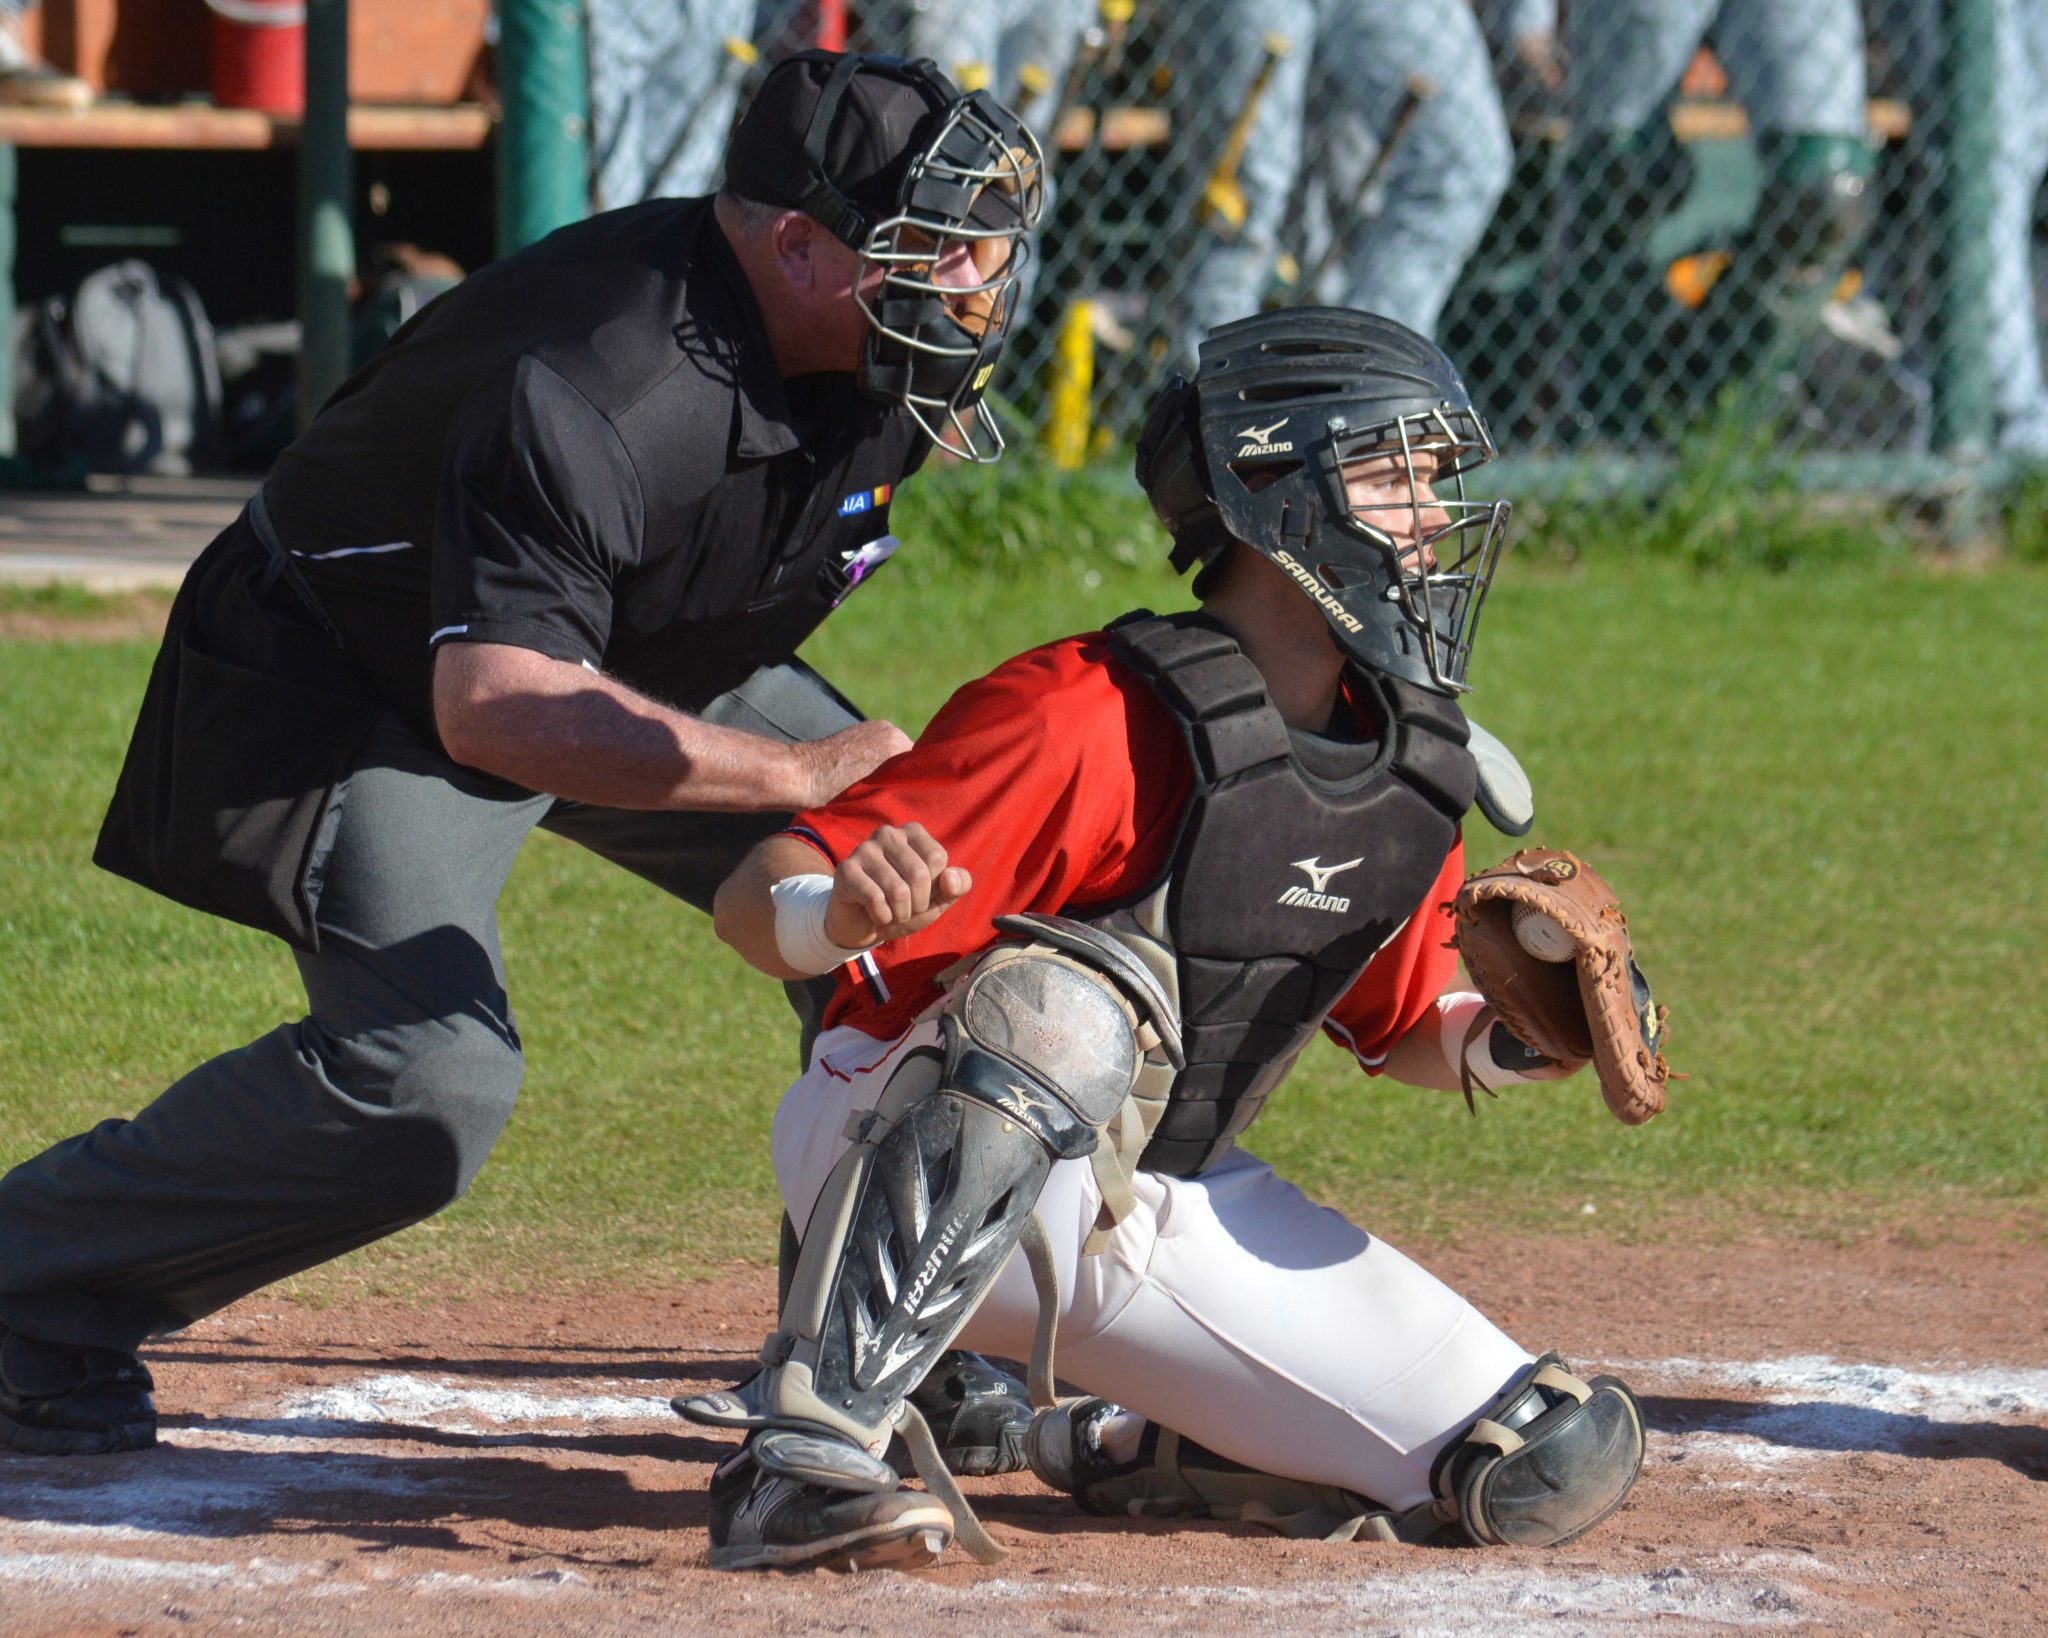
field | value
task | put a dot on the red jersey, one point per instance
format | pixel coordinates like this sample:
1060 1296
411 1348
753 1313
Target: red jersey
1058 782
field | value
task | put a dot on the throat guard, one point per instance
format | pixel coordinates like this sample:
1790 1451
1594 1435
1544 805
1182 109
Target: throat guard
1285 880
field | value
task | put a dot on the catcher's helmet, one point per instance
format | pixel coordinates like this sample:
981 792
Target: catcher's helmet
894 161
1289 416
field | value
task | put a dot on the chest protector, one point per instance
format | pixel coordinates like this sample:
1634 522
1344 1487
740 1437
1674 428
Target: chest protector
1285 879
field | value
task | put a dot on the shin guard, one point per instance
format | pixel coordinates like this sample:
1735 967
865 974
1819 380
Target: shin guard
1039 1046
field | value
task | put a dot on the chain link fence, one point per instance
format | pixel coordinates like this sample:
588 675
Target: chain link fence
1626 219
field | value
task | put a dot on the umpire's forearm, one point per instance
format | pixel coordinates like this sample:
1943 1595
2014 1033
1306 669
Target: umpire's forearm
553 726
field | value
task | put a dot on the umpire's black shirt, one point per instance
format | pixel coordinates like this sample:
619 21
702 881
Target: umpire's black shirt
585 450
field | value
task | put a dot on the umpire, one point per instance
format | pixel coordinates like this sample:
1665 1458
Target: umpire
544 561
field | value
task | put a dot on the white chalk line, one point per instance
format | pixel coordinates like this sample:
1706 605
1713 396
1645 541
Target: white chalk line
398 1397
1981 1394
1813 1406
200 1493
84 1570
1448 1601
95 1571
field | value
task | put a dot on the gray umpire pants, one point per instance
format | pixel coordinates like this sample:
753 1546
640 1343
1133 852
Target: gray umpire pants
376 1109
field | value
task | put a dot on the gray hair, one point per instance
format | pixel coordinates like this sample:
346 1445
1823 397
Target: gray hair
751 216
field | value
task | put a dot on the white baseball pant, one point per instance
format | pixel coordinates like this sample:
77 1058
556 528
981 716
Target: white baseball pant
1229 1307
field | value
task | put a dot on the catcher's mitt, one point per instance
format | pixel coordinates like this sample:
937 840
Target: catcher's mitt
1589 999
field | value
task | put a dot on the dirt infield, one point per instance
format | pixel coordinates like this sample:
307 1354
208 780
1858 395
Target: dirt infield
1844 1438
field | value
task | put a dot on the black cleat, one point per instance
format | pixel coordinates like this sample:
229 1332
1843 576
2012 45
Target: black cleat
978 1414
761 1520
61 1400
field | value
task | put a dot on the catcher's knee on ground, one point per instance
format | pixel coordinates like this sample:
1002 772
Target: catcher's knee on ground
1550 1458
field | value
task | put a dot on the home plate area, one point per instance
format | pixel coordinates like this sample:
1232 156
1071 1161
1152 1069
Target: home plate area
511 1465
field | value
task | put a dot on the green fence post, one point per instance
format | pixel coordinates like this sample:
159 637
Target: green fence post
9 435
544 137
1962 360
327 251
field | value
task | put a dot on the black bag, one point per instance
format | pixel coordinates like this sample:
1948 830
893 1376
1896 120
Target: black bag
248 731
120 377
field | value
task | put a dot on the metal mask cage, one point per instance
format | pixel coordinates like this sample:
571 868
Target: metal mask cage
981 185
1440 571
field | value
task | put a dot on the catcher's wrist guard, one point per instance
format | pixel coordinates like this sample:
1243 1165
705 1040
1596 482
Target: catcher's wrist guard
1478 1051
800 938
1584 998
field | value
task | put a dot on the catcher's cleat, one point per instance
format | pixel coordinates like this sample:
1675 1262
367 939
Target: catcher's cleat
762 1520
58 1400
1114 1463
1064 1448
979 1415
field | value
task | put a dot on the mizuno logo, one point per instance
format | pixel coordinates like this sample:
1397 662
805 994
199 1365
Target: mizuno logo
1022 1102
1319 874
1315 896
1259 440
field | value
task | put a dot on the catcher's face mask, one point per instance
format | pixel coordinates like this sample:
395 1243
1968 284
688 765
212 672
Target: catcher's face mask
941 295
1400 488
1336 444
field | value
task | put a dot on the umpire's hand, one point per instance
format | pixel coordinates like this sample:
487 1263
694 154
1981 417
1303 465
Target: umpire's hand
836 761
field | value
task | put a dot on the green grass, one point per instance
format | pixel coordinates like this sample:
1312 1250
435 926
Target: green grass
1820 793
56 598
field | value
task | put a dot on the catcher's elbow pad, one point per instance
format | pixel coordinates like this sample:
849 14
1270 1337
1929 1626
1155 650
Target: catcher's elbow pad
1550 1458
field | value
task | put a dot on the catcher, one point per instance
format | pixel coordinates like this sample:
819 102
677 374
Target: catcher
1083 929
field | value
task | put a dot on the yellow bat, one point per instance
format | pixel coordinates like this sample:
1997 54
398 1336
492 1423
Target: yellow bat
1418 90
1223 201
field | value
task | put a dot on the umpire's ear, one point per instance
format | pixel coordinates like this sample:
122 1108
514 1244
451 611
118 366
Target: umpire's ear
805 263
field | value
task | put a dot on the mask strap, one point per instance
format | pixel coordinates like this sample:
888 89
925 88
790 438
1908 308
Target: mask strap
841 217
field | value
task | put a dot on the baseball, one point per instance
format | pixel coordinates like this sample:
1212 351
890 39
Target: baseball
1541 935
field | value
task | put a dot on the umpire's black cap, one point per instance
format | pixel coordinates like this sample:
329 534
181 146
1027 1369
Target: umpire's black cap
834 135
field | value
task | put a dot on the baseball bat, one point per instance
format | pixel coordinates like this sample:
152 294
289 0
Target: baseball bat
1083 108
1223 200
1418 90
